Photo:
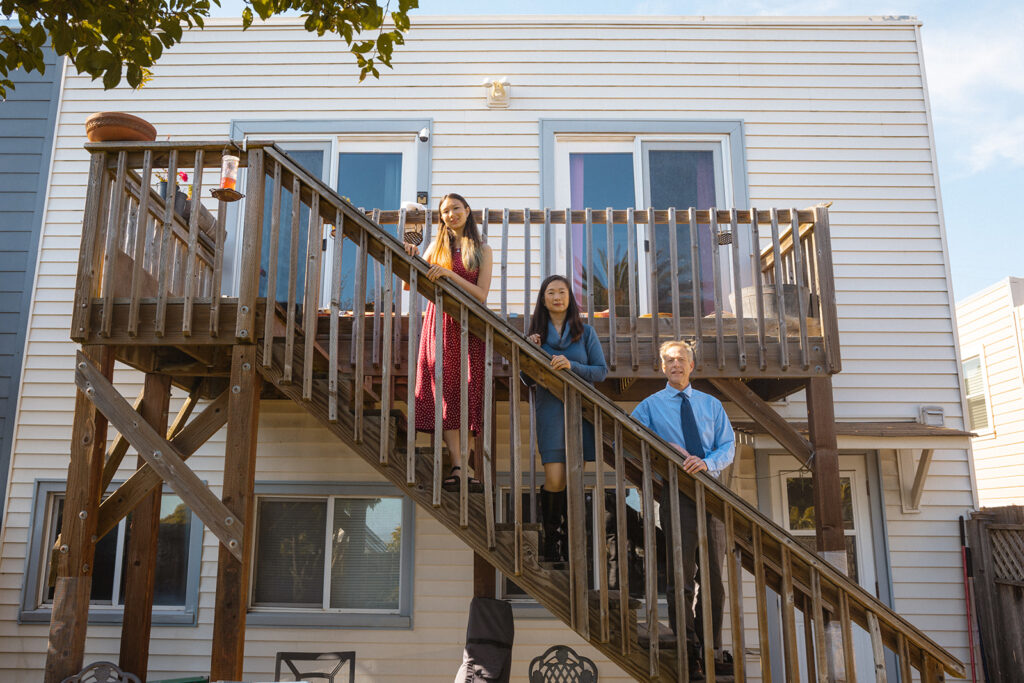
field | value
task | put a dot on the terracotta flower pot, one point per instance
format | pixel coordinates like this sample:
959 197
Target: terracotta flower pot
115 126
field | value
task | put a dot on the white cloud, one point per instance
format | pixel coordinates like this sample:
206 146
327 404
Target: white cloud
976 85
967 66
995 143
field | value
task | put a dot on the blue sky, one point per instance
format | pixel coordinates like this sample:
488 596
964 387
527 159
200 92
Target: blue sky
974 58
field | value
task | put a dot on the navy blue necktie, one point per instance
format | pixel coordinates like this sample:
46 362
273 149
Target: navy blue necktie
691 435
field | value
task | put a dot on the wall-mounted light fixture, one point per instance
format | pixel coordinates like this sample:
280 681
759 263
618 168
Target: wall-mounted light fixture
499 92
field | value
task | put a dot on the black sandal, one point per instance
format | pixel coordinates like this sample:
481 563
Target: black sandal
453 482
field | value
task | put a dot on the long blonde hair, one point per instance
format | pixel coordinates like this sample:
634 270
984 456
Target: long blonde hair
471 245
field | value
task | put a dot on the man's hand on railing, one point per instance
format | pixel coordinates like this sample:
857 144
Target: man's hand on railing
691 463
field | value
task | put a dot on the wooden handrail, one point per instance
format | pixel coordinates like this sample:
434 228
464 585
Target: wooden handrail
785 242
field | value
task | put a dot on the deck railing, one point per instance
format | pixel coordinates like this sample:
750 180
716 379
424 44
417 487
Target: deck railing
749 315
833 606
794 327
136 245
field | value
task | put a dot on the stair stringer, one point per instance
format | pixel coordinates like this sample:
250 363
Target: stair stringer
548 586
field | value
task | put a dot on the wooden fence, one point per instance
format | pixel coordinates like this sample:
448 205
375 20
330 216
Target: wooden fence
996 540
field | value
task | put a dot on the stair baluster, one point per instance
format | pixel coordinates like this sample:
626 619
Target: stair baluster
293 271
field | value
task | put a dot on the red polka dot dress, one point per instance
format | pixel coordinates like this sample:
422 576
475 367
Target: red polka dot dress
452 382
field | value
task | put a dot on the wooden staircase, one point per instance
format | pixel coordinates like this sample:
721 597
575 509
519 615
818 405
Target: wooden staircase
168 312
633 457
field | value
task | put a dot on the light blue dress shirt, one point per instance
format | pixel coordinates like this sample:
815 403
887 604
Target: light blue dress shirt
660 411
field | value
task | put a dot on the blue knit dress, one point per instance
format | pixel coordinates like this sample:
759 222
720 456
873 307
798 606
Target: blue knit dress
586 359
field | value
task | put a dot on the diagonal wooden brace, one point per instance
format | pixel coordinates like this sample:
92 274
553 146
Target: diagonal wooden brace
161 456
186 441
116 454
119 447
762 413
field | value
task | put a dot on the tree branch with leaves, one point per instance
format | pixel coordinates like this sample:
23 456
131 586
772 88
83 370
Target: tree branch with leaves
117 40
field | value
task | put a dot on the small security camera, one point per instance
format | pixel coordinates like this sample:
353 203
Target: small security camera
424 134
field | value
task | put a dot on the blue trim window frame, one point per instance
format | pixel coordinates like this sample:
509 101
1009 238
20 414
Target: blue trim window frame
569 148
323 616
333 137
35 606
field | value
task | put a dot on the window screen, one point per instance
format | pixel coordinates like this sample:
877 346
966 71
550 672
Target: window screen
977 410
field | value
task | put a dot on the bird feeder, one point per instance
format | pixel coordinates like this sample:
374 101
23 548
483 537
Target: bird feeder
227 191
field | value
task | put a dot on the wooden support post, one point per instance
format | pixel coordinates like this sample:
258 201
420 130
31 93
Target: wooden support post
239 476
828 512
142 543
484 578
70 612
828 508
252 236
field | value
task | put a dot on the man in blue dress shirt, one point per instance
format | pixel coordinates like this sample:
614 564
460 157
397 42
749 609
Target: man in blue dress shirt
696 424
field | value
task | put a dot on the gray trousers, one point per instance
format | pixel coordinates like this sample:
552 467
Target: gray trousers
713 582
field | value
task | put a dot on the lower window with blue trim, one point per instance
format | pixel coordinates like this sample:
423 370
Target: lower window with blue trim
332 555
177 565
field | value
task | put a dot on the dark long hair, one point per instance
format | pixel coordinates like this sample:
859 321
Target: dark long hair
541 317
440 250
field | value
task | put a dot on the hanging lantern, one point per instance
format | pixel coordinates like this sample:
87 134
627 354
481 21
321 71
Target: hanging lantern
228 192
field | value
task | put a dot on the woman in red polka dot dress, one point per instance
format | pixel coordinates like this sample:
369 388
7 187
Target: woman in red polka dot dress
459 255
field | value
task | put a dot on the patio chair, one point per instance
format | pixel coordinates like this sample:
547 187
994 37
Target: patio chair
102 672
338 659
561 664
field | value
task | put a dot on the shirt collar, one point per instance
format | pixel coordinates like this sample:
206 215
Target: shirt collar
688 390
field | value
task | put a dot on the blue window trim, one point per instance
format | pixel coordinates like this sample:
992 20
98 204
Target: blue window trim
31 613
265 129
549 128
354 620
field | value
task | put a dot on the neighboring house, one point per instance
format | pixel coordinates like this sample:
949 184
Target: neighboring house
991 328
769 112
27 120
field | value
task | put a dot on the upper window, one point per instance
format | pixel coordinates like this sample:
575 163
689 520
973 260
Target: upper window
641 165
375 164
337 559
177 565
977 405
377 172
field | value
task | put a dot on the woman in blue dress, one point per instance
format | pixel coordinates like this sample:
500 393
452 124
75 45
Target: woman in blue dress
558 328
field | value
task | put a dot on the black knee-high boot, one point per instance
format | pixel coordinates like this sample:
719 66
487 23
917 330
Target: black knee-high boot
552 510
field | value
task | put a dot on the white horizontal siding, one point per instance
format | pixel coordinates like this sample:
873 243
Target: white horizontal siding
989 323
833 111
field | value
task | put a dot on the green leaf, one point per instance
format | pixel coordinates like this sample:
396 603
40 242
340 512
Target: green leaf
246 18
112 77
134 75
